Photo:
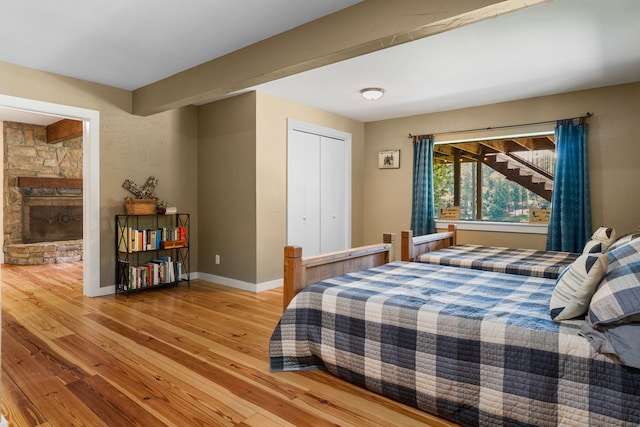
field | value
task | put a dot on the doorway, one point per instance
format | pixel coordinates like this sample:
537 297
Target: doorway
91 181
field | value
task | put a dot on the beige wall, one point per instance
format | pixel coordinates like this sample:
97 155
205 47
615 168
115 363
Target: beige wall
227 187
614 158
163 145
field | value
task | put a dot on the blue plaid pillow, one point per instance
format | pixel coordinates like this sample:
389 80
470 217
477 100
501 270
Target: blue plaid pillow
624 240
617 300
624 253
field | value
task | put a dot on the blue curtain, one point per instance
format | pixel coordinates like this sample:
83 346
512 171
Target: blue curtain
422 207
570 221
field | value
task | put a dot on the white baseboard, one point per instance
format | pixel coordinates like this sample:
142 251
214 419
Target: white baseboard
102 291
238 284
232 283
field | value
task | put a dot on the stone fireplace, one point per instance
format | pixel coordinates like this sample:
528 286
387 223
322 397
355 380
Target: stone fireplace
42 196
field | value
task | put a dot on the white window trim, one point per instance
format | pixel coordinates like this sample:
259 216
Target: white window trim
502 227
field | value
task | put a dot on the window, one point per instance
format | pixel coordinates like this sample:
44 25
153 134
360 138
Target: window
500 180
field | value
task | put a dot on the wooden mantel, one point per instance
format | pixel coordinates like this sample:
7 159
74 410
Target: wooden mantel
43 182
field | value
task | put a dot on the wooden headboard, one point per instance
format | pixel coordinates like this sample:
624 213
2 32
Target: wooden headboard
412 247
300 271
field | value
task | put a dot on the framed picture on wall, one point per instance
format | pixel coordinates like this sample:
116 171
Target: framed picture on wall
389 159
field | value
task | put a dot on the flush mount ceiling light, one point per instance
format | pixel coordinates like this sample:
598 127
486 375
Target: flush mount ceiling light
372 93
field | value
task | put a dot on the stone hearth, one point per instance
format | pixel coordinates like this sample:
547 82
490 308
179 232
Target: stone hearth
43 253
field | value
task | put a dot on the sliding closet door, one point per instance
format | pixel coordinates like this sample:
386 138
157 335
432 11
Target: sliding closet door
303 193
332 195
318 192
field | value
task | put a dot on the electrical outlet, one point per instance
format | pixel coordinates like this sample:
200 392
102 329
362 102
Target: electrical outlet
217 259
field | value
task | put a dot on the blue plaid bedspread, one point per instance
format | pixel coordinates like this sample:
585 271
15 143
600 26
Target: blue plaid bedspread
474 347
526 262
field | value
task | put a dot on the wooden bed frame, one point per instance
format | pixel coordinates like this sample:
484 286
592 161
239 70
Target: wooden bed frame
301 271
412 246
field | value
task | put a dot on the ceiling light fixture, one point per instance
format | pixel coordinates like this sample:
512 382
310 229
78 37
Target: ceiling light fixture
372 93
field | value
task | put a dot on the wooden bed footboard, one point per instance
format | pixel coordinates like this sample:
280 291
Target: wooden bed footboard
301 271
412 247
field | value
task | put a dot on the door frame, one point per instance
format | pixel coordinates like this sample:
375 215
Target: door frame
90 181
300 126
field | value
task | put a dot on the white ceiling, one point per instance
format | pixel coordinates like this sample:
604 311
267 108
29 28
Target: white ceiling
559 46
556 47
129 44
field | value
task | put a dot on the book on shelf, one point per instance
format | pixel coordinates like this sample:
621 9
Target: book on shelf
151 240
178 271
166 269
144 276
138 240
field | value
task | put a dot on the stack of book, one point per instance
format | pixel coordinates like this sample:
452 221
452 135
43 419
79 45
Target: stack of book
159 271
137 240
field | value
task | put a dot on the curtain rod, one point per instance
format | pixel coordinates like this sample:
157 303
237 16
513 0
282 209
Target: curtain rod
582 118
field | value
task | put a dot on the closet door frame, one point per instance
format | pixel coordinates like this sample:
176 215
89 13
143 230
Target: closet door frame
300 126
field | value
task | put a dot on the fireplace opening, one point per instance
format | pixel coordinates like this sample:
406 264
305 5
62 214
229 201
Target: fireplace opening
51 218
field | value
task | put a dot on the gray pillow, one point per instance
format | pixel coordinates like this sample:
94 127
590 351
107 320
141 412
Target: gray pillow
617 300
622 341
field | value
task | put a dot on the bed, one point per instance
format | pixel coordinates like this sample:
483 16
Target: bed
441 249
474 347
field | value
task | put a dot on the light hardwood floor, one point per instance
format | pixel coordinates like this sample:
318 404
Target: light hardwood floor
184 357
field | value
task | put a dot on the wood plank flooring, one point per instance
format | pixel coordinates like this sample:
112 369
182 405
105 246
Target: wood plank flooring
184 356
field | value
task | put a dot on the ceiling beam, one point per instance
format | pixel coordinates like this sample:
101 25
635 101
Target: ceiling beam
63 129
366 27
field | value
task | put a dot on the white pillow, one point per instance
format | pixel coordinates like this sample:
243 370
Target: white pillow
576 285
605 235
594 247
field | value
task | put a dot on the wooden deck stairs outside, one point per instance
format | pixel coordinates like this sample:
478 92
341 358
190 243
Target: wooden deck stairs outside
503 156
519 170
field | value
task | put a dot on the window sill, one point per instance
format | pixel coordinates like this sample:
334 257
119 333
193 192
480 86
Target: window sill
502 227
